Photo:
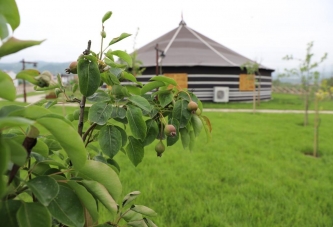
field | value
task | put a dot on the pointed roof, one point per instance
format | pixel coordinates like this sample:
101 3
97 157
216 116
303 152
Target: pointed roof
184 46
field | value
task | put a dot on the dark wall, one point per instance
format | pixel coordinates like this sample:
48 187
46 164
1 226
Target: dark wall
203 70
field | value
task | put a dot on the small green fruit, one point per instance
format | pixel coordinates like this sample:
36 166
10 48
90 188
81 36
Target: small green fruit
159 148
192 106
170 130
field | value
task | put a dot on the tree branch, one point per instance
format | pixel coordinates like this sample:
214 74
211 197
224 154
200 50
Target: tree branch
91 128
83 101
28 144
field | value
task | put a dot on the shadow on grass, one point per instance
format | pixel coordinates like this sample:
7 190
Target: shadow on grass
308 151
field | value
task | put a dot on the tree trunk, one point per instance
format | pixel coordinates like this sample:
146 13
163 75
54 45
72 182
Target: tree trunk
316 129
254 97
306 117
259 88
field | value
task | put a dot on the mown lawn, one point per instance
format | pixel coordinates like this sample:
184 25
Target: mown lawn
278 102
252 173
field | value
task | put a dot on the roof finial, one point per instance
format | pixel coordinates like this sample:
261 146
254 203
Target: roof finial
182 22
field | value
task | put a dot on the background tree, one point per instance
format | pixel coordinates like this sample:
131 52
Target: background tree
307 73
252 68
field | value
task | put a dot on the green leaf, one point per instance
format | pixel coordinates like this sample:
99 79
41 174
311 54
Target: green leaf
68 138
8 122
171 140
137 223
89 76
149 222
7 88
41 148
121 37
123 135
113 80
150 86
99 96
29 75
140 102
106 16
130 197
124 56
164 79
144 210
114 165
9 10
135 150
128 76
196 124
137 125
44 188
188 96
86 198
18 154
110 140
165 98
103 174
133 89
4 160
118 91
31 112
109 55
7 110
181 113
185 137
130 215
33 214
50 104
118 112
67 207
102 194
4 32
192 140
52 144
100 113
13 45
8 212
152 131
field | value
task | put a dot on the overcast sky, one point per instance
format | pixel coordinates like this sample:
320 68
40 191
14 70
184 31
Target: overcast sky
263 30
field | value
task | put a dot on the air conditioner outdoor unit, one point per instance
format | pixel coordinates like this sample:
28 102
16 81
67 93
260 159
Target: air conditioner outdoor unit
221 94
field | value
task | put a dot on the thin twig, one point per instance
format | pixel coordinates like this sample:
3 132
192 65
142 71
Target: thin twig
81 117
91 128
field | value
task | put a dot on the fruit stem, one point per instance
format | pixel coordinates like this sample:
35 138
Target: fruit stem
100 56
162 119
187 94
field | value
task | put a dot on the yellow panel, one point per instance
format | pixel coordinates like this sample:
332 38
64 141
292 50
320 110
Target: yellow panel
246 82
180 78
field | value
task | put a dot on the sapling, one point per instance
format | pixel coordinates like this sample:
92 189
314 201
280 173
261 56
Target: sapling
70 169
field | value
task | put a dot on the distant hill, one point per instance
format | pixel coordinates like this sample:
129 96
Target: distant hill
53 67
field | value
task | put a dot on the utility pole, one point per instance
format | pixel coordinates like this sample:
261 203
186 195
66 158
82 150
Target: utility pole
162 55
23 68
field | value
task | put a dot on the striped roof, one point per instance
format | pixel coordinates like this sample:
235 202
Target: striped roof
184 46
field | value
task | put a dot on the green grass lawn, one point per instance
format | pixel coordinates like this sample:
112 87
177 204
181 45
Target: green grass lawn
252 173
278 102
